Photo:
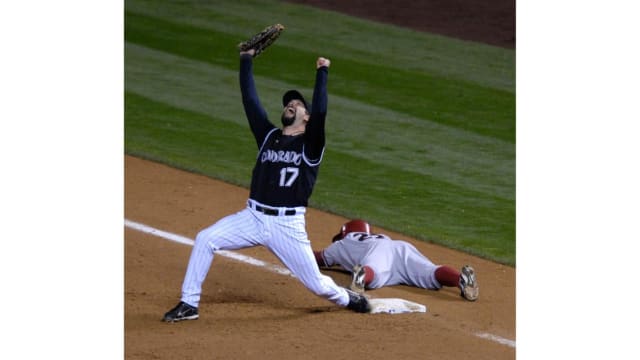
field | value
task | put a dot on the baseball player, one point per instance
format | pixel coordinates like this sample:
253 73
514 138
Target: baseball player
376 261
283 177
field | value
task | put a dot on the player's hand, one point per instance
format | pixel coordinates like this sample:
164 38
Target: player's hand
322 62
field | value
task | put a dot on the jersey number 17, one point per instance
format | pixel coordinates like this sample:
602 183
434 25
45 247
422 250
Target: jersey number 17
288 175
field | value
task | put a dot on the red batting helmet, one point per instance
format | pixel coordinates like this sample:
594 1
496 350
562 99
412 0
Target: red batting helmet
356 225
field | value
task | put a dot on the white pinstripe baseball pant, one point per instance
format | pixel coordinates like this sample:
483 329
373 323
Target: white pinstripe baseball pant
285 236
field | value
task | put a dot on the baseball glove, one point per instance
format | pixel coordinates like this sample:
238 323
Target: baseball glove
262 40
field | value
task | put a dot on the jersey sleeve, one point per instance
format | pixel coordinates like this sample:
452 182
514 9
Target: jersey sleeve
315 130
329 255
257 116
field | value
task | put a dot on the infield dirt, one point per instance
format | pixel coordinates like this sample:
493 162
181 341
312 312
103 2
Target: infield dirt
247 312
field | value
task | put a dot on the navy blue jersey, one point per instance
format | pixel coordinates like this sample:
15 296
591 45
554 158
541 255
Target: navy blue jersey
283 176
286 166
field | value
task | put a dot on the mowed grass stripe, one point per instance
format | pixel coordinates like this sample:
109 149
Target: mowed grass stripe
417 205
188 140
482 164
316 30
454 216
465 105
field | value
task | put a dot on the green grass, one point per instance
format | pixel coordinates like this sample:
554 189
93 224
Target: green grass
421 128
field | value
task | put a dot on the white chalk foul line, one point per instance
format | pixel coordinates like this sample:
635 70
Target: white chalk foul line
497 339
184 240
252 261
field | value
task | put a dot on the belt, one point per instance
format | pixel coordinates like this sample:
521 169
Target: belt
271 211
274 212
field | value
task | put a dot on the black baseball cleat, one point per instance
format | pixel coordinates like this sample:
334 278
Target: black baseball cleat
358 302
182 311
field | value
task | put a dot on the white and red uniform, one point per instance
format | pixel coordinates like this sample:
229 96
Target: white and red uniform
394 262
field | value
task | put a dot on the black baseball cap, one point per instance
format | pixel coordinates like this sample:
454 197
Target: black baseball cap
294 94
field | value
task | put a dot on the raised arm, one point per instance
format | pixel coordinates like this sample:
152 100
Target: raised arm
257 116
315 132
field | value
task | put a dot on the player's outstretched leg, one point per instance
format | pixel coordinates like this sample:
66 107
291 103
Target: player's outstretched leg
469 288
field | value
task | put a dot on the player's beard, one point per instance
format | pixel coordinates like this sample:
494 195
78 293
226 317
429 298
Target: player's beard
287 120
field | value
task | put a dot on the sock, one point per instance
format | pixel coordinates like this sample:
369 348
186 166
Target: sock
447 276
